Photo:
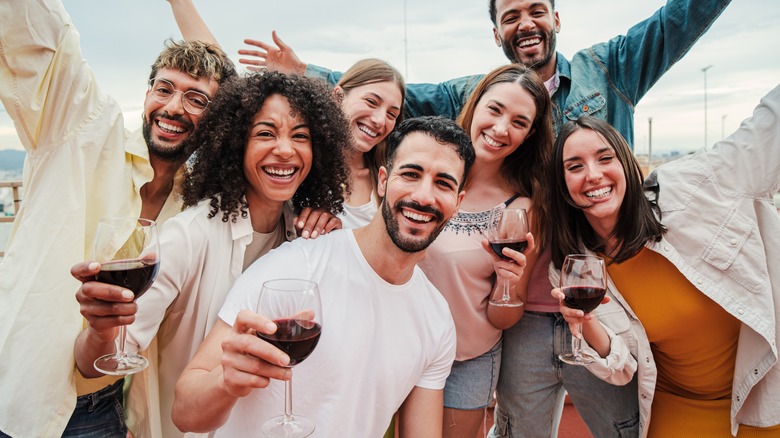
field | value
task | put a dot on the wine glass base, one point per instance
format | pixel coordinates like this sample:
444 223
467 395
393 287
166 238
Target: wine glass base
282 427
505 303
572 359
117 365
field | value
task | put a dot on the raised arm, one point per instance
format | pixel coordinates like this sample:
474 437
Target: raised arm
649 48
42 73
752 152
191 24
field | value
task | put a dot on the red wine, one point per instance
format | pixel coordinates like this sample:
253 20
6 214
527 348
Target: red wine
135 275
584 298
498 245
296 337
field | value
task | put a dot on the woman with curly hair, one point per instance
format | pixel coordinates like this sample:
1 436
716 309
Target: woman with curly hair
270 144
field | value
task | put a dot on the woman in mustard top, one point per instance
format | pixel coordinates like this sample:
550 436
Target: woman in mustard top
694 262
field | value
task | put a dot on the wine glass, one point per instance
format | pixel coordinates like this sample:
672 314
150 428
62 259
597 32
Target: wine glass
507 228
584 284
294 305
128 251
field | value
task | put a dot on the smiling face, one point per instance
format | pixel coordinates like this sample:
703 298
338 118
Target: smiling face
526 31
595 179
502 120
372 110
167 125
421 192
278 154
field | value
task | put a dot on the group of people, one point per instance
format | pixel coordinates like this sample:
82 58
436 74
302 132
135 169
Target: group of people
235 168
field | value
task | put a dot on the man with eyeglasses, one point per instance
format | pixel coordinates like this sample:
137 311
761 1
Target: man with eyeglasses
81 165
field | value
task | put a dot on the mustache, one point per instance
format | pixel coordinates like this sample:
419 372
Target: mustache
421 208
176 118
528 34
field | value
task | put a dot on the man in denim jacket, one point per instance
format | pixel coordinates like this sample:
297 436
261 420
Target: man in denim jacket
605 80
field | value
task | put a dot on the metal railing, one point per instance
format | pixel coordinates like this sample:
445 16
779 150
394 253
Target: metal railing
14 186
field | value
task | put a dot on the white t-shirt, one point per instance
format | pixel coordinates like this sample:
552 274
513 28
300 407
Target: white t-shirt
358 216
378 341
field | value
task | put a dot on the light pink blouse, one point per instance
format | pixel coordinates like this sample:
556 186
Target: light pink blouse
463 272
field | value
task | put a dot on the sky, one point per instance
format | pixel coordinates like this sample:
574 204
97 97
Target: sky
436 40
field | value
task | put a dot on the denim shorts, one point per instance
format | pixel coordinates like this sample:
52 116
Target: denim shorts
472 382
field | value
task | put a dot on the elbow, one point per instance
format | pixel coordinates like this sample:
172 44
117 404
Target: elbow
188 418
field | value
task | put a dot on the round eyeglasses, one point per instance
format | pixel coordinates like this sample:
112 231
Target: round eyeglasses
194 102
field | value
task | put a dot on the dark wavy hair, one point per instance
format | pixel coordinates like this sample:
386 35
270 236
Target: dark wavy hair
524 169
220 140
444 130
638 219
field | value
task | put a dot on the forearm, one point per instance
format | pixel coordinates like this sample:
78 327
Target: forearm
89 347
201 403
596 337
41 67
191 24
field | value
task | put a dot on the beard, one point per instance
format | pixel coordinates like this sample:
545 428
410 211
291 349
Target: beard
170 152
406 243
533 62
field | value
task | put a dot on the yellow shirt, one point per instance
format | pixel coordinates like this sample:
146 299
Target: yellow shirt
694 344
81 165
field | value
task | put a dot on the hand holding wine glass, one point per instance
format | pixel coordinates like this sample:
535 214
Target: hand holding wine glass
583 283
295 308
507 228
128 251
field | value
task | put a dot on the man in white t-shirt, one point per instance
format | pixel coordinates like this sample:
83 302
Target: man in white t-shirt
388 339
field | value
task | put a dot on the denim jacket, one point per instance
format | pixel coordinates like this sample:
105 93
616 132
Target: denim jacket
724 237
605 80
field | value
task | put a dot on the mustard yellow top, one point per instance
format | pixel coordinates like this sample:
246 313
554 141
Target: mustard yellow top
694 344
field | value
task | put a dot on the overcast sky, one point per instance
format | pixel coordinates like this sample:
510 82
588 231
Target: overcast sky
444 39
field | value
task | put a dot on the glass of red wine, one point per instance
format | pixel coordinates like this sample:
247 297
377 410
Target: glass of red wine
294 305
507 228
128 251
584 284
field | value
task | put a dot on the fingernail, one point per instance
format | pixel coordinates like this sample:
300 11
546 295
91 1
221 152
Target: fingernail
270 327
305 234
94 266
284 360
314 234
300 224
126 294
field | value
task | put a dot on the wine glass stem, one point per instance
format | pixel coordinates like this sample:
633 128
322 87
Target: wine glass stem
122 351
506 290
576 341
288 416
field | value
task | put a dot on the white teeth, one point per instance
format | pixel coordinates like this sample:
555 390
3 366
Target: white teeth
600 193
370 133
530 42
279 172
168 127
491 142
417 217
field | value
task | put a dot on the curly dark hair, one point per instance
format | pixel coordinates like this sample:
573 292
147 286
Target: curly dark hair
219 142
